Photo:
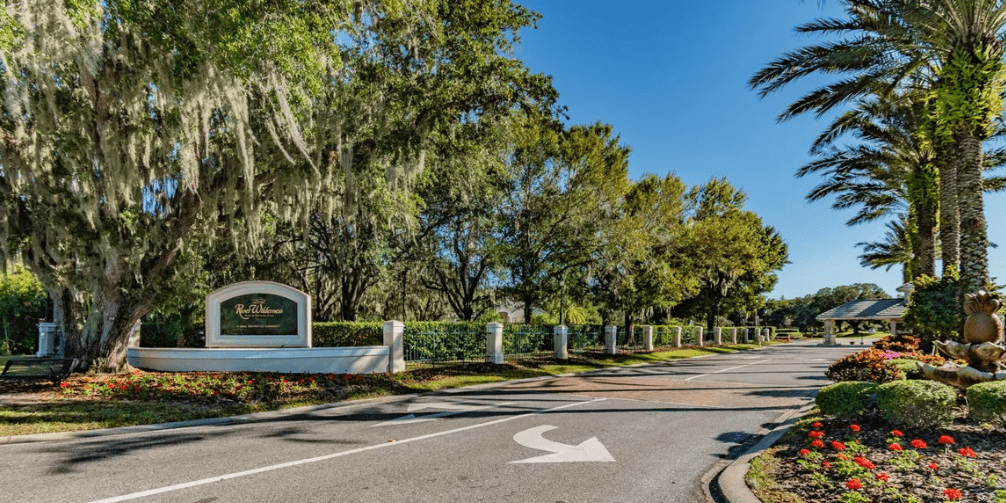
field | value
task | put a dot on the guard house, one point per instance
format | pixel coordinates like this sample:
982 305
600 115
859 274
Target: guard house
890 310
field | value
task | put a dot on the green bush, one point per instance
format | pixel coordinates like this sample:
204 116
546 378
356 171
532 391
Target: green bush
906 367
917 404
334 334
987 402
845 399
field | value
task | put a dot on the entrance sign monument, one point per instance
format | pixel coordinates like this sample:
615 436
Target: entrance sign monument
261 326
258 314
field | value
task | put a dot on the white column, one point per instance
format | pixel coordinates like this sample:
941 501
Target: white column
648 337
766 334
894 327
611 340
718 335
733 335
494 343
394 332
560 342
133 341
701 335
677 336
829 333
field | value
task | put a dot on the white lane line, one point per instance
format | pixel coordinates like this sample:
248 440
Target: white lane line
220 478
731 368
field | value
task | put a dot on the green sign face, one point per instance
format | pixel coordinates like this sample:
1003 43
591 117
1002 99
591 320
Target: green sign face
258 314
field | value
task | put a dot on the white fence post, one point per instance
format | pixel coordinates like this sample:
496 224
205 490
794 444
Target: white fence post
611 340
700 339
733 335
718 335
394 335
494 343
560 342
648 337
767 334
677 337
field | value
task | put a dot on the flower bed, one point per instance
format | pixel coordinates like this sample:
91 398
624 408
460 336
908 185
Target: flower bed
835 460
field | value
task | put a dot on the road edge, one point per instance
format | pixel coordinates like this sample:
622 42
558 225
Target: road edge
729 480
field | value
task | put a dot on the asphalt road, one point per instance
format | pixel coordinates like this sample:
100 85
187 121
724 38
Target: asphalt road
639 434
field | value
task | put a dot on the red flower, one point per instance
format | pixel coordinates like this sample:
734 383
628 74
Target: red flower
816 434
197 372
816 425
967 451
838 446
64 384
817 443
825 464
895 447
952 494
854 427
944 439
918 444
933 466
853 484
804 452
897 433
882 476
865 463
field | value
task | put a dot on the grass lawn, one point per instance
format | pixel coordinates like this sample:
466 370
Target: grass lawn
93 401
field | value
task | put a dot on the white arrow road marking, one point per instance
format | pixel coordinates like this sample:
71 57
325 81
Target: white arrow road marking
588 451
454 409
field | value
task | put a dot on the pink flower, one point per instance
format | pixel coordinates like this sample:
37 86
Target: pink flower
952 494
918 444
946 440
894 447
854 427
854 484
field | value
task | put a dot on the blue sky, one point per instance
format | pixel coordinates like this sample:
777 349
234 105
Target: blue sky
671 78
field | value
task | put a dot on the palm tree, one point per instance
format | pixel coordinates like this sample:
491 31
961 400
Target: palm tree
956 45
890 172
895 249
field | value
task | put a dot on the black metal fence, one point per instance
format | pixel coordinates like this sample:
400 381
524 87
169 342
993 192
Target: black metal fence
432 344
583 338
527 342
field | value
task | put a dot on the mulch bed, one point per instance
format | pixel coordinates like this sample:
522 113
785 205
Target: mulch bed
977 478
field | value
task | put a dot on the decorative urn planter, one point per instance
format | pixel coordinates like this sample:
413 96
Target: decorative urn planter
983 331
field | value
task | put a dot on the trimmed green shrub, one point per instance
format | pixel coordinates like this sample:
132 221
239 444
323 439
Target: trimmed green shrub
334 334
987 402
917 404
868 365
845 399
906 367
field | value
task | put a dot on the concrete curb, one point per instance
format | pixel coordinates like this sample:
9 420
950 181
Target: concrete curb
731 482
274 414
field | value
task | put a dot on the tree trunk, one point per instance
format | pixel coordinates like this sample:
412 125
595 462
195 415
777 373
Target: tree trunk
974 241
925 242
947 162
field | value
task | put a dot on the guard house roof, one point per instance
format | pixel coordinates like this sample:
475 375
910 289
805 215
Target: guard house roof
882 309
